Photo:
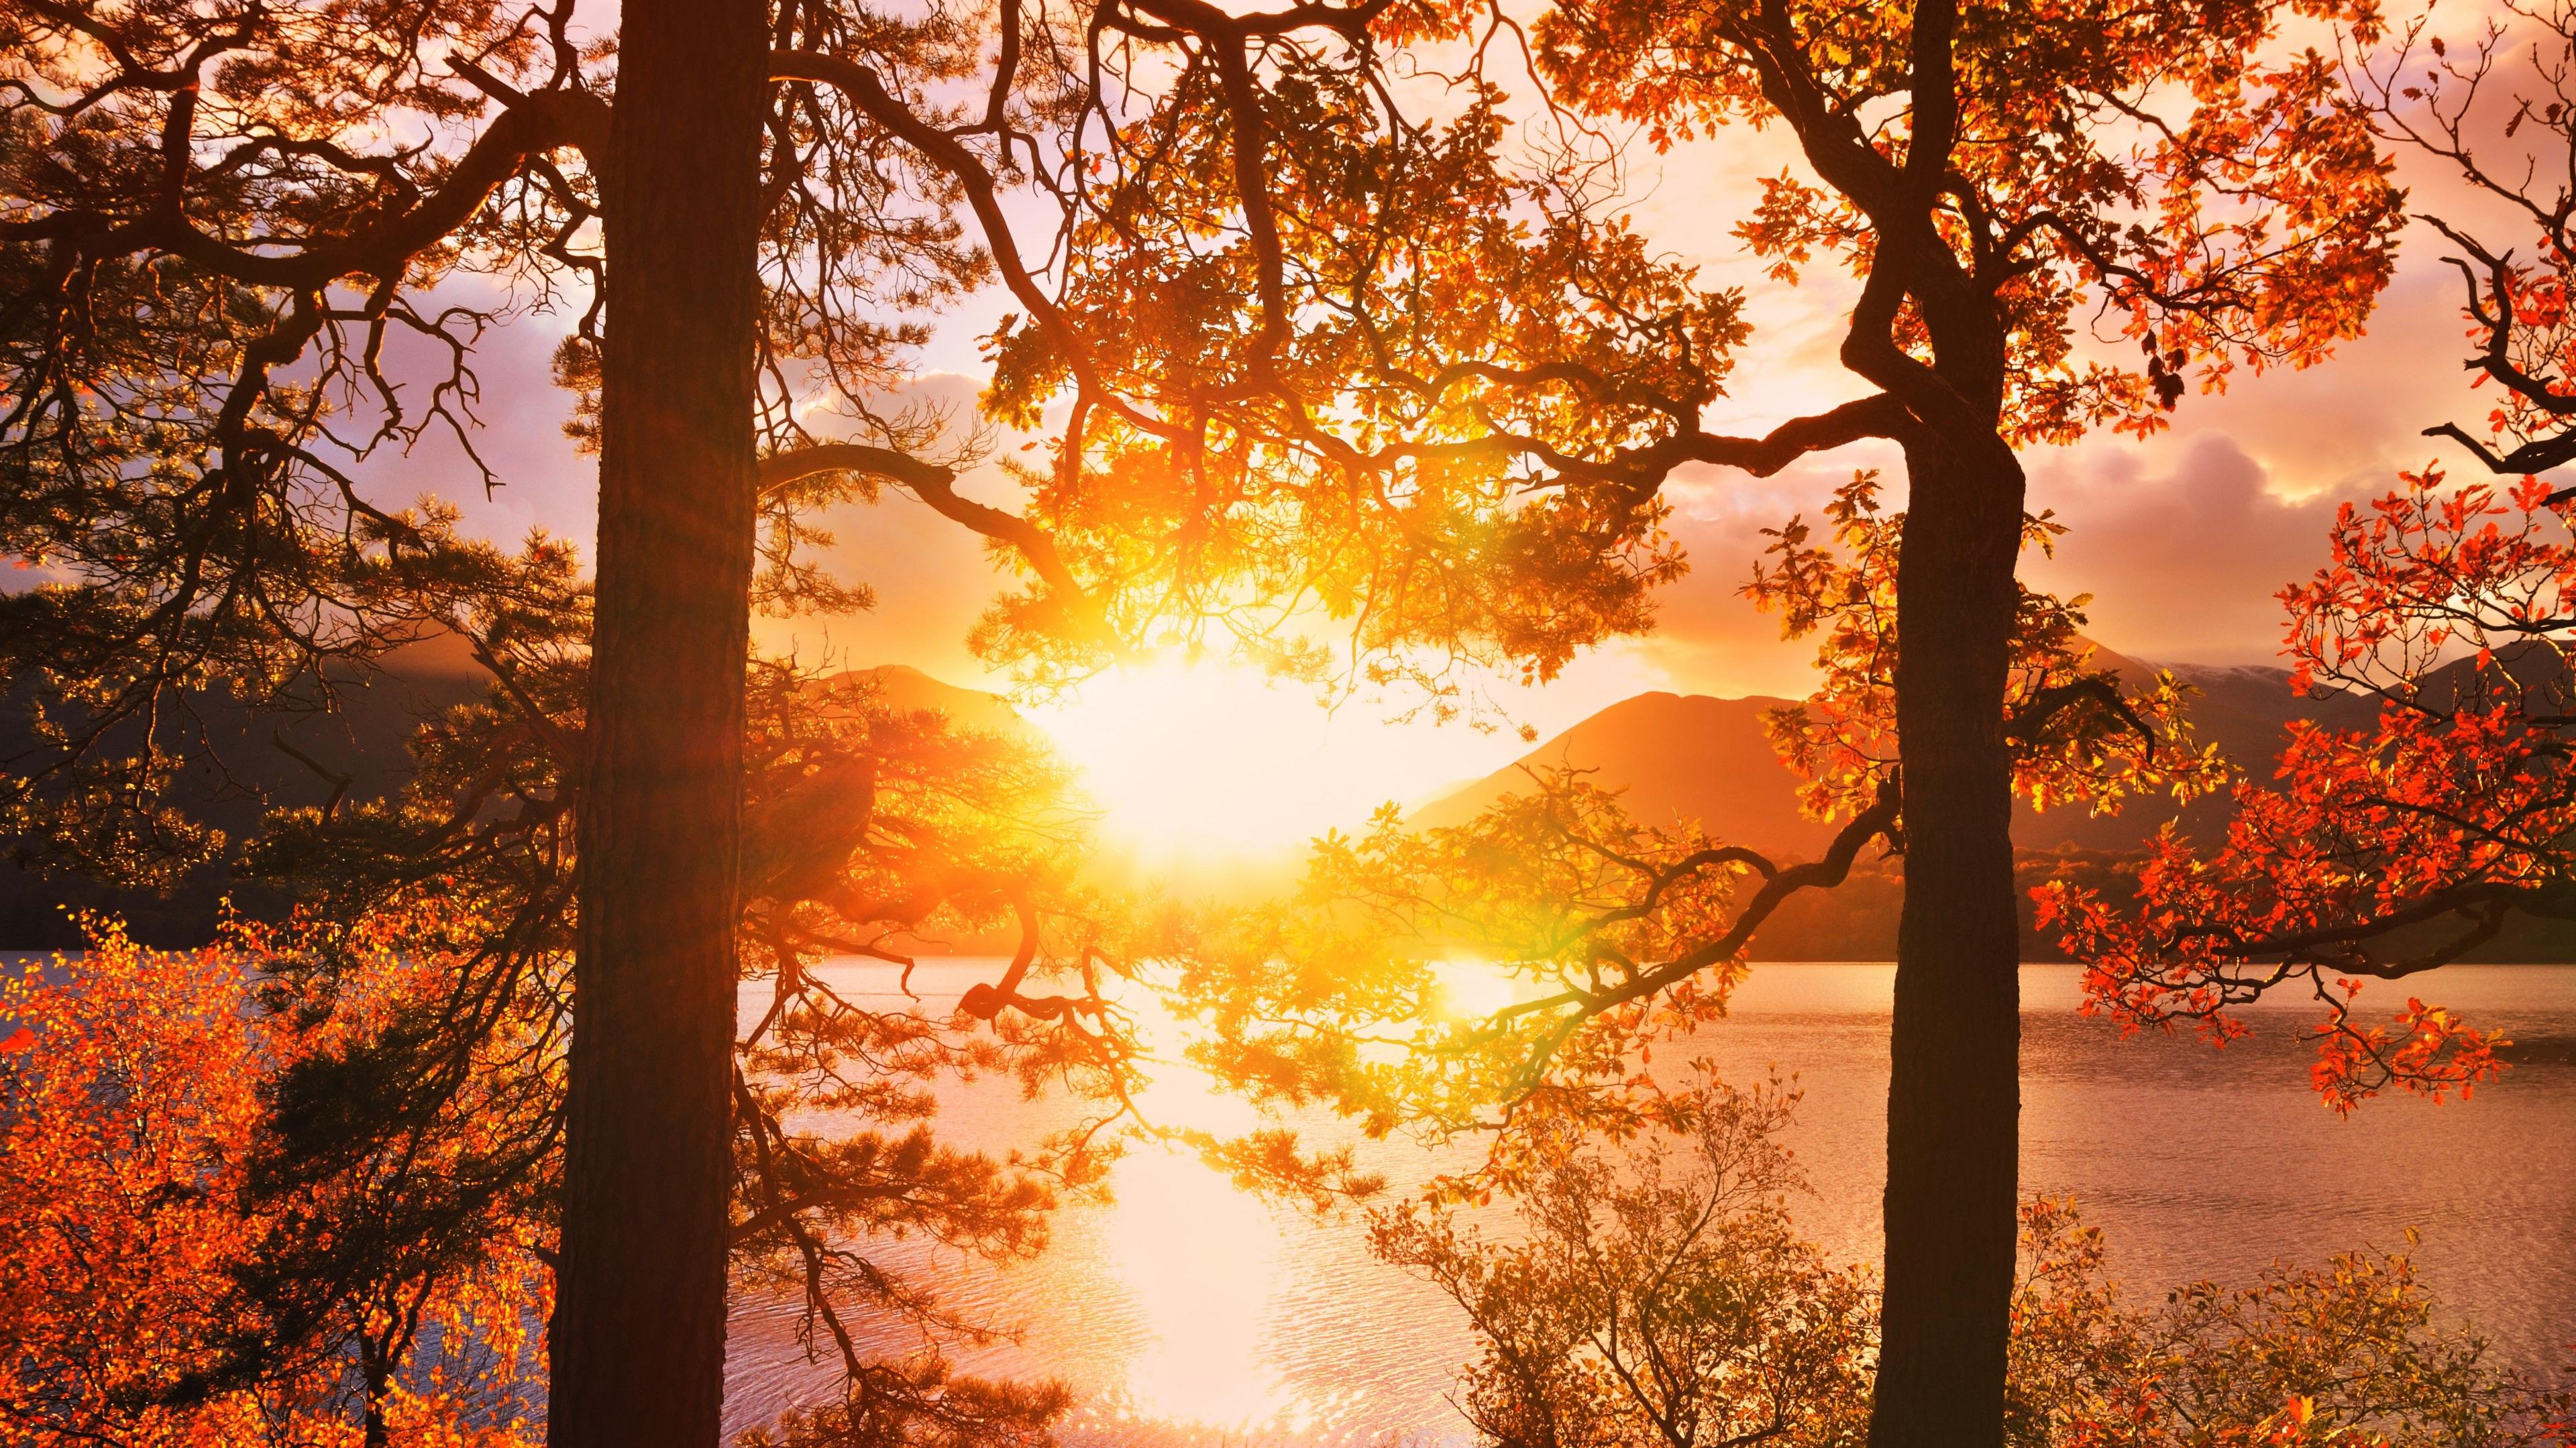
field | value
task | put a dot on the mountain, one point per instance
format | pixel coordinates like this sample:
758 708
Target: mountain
910 690
366 737
1675 757
242 771
1693 758
2245 710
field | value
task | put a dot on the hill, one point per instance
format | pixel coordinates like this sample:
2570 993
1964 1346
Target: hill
366 737
1675 758
910 690
245 771
1694 758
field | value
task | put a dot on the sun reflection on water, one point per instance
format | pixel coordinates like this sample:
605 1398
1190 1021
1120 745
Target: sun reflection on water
1202 1262
1183 1312
1204 1266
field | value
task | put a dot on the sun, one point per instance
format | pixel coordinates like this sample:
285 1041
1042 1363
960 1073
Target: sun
1471 988
1185 758
1211 763
1193 761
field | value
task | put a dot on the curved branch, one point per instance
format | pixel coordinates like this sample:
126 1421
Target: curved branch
1880 819
936 485
2034 715
545 121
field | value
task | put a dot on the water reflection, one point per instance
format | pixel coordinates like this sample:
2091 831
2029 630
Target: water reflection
1204 1268
1186 1313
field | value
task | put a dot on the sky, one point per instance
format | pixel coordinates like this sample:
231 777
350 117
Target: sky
2182 539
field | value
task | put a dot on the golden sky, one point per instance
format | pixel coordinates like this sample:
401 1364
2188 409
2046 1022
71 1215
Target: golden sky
2182 538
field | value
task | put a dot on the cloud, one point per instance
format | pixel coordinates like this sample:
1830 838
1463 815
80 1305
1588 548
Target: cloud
518 414
1707 636
2184 565
2184 539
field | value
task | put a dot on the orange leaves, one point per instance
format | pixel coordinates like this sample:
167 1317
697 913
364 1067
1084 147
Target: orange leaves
2379 852
2424 1049
2080 736
133 1220
2176 165
1554 905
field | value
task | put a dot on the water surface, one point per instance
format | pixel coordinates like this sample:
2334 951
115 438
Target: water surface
1186 1312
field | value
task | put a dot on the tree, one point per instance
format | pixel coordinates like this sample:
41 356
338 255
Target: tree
391 1105
144 1305
1532 376
2388 851
218 223
1657 1293
1246 187
1516 975
648 1107
2383 852
1975 253
246 165
868 827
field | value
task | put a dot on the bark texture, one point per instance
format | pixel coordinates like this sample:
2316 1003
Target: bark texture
1953 1100
637 1341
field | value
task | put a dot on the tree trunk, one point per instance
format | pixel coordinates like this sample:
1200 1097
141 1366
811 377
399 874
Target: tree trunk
637 1341
1953 1101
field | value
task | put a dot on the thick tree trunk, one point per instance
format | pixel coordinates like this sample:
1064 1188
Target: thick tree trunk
1953 1102
637 1342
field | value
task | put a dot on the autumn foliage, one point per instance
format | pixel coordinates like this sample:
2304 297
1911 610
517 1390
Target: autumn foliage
2378 854
1302 329
148 1200
1657 1292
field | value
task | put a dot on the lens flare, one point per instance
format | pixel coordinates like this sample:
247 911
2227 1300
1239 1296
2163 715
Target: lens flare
1470 987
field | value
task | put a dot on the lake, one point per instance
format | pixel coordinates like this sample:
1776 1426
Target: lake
1185 1312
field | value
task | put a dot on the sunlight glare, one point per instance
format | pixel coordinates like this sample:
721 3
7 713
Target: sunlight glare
1203 1264
1216 764
1470 987
1190 758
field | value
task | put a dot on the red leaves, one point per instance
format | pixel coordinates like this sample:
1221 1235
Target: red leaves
131 1217
2389 850
2425 1049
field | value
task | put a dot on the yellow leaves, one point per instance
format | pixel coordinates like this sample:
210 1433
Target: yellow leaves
129 1228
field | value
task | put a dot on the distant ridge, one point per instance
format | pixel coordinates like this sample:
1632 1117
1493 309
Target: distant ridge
905 688
367 740
1676 758
1694 757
